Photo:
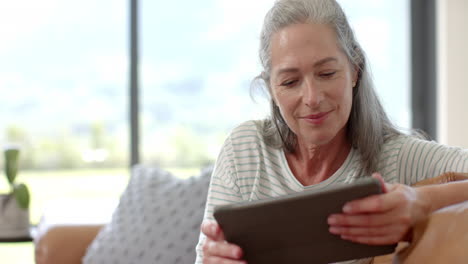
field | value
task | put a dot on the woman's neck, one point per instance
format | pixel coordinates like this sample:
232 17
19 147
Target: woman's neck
312 164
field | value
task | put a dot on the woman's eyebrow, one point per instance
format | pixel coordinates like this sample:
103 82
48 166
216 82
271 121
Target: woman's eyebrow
286 70
325 60
316 64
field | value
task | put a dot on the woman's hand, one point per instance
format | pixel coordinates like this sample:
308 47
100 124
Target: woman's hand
381 219
216 250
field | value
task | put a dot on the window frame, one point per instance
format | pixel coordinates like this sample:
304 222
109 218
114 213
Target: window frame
424 66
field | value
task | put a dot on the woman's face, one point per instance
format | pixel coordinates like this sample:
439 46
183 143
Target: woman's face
311 82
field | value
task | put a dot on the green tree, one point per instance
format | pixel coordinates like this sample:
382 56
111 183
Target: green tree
98 135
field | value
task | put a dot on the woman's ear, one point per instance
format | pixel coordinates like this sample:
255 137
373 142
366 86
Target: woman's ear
268 85
267 79
355 76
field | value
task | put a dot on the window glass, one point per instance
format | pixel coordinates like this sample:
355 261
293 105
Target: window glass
63 86
197 64
383 30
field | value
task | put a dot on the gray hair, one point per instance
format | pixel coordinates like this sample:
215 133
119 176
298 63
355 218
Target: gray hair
368 125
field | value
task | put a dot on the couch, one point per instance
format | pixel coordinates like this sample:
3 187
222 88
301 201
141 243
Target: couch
441 238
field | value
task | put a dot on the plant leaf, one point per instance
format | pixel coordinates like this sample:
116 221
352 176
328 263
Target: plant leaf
21 193
11 164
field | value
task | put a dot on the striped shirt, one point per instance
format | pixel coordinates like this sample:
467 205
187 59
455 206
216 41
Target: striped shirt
247 169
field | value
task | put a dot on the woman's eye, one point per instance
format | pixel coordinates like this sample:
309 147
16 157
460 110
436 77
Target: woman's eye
288 83
327 74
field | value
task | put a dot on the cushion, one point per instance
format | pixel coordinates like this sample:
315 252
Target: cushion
157 220
440 238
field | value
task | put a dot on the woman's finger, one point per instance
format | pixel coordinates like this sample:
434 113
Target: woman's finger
375 203
362 220
379 177
212 230
367 231
375 240
221 249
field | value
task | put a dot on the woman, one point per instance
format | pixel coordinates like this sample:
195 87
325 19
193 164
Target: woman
327 126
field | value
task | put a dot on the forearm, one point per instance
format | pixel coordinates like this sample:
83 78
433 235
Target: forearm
443 195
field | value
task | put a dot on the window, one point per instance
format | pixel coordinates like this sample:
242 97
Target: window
383 30
64 85
197 63
63 80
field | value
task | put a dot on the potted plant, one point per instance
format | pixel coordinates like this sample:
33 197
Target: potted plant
14 205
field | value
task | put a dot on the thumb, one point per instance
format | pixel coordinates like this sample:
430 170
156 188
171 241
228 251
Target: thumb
212 230
384 185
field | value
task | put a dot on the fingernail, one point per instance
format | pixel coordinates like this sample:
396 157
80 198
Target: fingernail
213 229
347 208
331 220
333 230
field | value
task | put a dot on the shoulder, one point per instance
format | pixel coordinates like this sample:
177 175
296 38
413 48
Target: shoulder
244 138
420 159
246 141
405 146
249 126
407 142
400 153
412 144
394 148
247 131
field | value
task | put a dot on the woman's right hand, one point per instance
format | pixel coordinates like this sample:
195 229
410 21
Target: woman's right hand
216 250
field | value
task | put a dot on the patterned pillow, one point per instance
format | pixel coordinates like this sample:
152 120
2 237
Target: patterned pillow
157 220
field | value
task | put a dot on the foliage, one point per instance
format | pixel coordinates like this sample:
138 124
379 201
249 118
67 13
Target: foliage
64 147
19 190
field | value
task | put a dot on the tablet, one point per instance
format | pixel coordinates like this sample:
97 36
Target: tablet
294 229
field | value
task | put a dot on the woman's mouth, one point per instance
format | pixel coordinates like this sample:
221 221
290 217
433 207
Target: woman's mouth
316 119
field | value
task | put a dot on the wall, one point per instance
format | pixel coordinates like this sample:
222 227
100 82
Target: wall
452 41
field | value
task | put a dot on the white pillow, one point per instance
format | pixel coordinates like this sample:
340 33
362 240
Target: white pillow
157 220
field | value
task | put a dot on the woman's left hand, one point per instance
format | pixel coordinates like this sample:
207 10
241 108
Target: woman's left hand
381 219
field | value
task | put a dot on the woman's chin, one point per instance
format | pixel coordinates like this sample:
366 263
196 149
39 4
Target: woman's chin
321 136
317 140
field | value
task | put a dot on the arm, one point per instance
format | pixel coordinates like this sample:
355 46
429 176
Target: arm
446 194
444 232
420 160
64 243
389 217
434 228
223 190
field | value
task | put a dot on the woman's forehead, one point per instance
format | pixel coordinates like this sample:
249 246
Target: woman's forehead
309 43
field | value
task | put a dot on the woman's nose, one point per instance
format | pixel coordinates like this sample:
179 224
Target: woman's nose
312 95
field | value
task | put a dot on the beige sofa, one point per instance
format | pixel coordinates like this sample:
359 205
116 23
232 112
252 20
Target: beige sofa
441 238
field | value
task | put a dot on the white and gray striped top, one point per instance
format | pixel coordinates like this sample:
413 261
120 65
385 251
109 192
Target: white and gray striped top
247 169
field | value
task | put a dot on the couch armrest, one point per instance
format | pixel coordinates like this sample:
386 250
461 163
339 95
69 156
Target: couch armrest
441 238
444 178
407 253
64 243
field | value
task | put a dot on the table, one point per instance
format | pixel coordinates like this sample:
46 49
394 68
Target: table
29 238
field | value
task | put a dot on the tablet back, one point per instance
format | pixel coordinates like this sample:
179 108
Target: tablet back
294 228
